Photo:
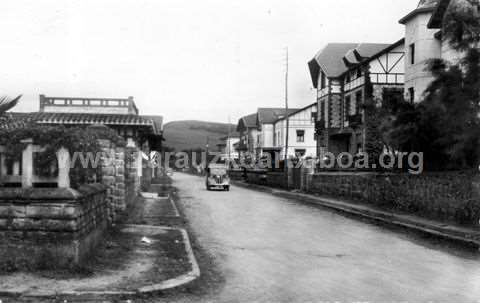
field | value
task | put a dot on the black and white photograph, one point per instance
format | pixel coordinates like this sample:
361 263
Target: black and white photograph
255 151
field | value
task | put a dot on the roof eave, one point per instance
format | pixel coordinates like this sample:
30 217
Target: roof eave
412 14
387 49
314 68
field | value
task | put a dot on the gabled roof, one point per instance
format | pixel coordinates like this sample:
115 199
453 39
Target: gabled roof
336 58
424 6
298 110
249 121
329 59
271 115
363 51
155 122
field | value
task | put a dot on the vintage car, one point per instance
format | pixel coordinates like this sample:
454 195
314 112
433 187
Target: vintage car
217 177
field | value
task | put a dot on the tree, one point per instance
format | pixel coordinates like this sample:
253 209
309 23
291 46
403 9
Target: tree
373 116
445 126
6 103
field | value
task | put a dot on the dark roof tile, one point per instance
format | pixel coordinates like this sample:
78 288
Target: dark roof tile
87 119
271 115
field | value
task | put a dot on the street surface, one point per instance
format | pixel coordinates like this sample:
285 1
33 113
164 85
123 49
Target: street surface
270 249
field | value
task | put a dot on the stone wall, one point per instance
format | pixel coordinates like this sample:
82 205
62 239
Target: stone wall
119 192
119 174
132 179
54 227
451 196
273 179
297 178
237 175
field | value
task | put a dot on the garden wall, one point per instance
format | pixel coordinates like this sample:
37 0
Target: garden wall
452 196
237 175
49 228
273 179
120 175
132 178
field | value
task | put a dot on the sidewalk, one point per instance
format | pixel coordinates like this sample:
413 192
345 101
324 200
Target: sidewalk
463 235
150 252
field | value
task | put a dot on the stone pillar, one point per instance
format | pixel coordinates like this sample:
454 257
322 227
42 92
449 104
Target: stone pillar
307 170
27 164
133 172
119 191
63 157
108 175
113 176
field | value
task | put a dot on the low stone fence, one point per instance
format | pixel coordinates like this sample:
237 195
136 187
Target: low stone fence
237 175
273 179
264 177
50 227
451 196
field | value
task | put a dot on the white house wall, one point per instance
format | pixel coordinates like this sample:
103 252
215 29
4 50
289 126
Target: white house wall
426 48
266 135
299 121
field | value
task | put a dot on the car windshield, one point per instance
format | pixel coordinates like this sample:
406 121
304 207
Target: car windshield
217 171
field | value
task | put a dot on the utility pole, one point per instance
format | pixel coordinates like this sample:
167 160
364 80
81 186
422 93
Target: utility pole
228 140
285 162
206 150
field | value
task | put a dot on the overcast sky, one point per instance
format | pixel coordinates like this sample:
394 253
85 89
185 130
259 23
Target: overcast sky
202 60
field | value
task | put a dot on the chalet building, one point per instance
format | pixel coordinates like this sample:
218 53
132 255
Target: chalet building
248 134
301 133
228 146
266 120
342 74
423 41
264 132
119 114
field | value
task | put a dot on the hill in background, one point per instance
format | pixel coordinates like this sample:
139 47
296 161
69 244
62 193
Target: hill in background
184 135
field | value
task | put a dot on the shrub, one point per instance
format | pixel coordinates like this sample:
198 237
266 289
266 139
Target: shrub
74 139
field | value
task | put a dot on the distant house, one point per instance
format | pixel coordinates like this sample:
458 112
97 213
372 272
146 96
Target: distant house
266 120
227 146
301 141
340 72
248 132
423 41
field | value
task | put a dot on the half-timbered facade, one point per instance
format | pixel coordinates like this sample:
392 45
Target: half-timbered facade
341 73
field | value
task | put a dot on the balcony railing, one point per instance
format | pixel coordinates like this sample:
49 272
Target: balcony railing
23 172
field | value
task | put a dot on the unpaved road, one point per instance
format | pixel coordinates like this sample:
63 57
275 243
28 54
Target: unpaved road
270 249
